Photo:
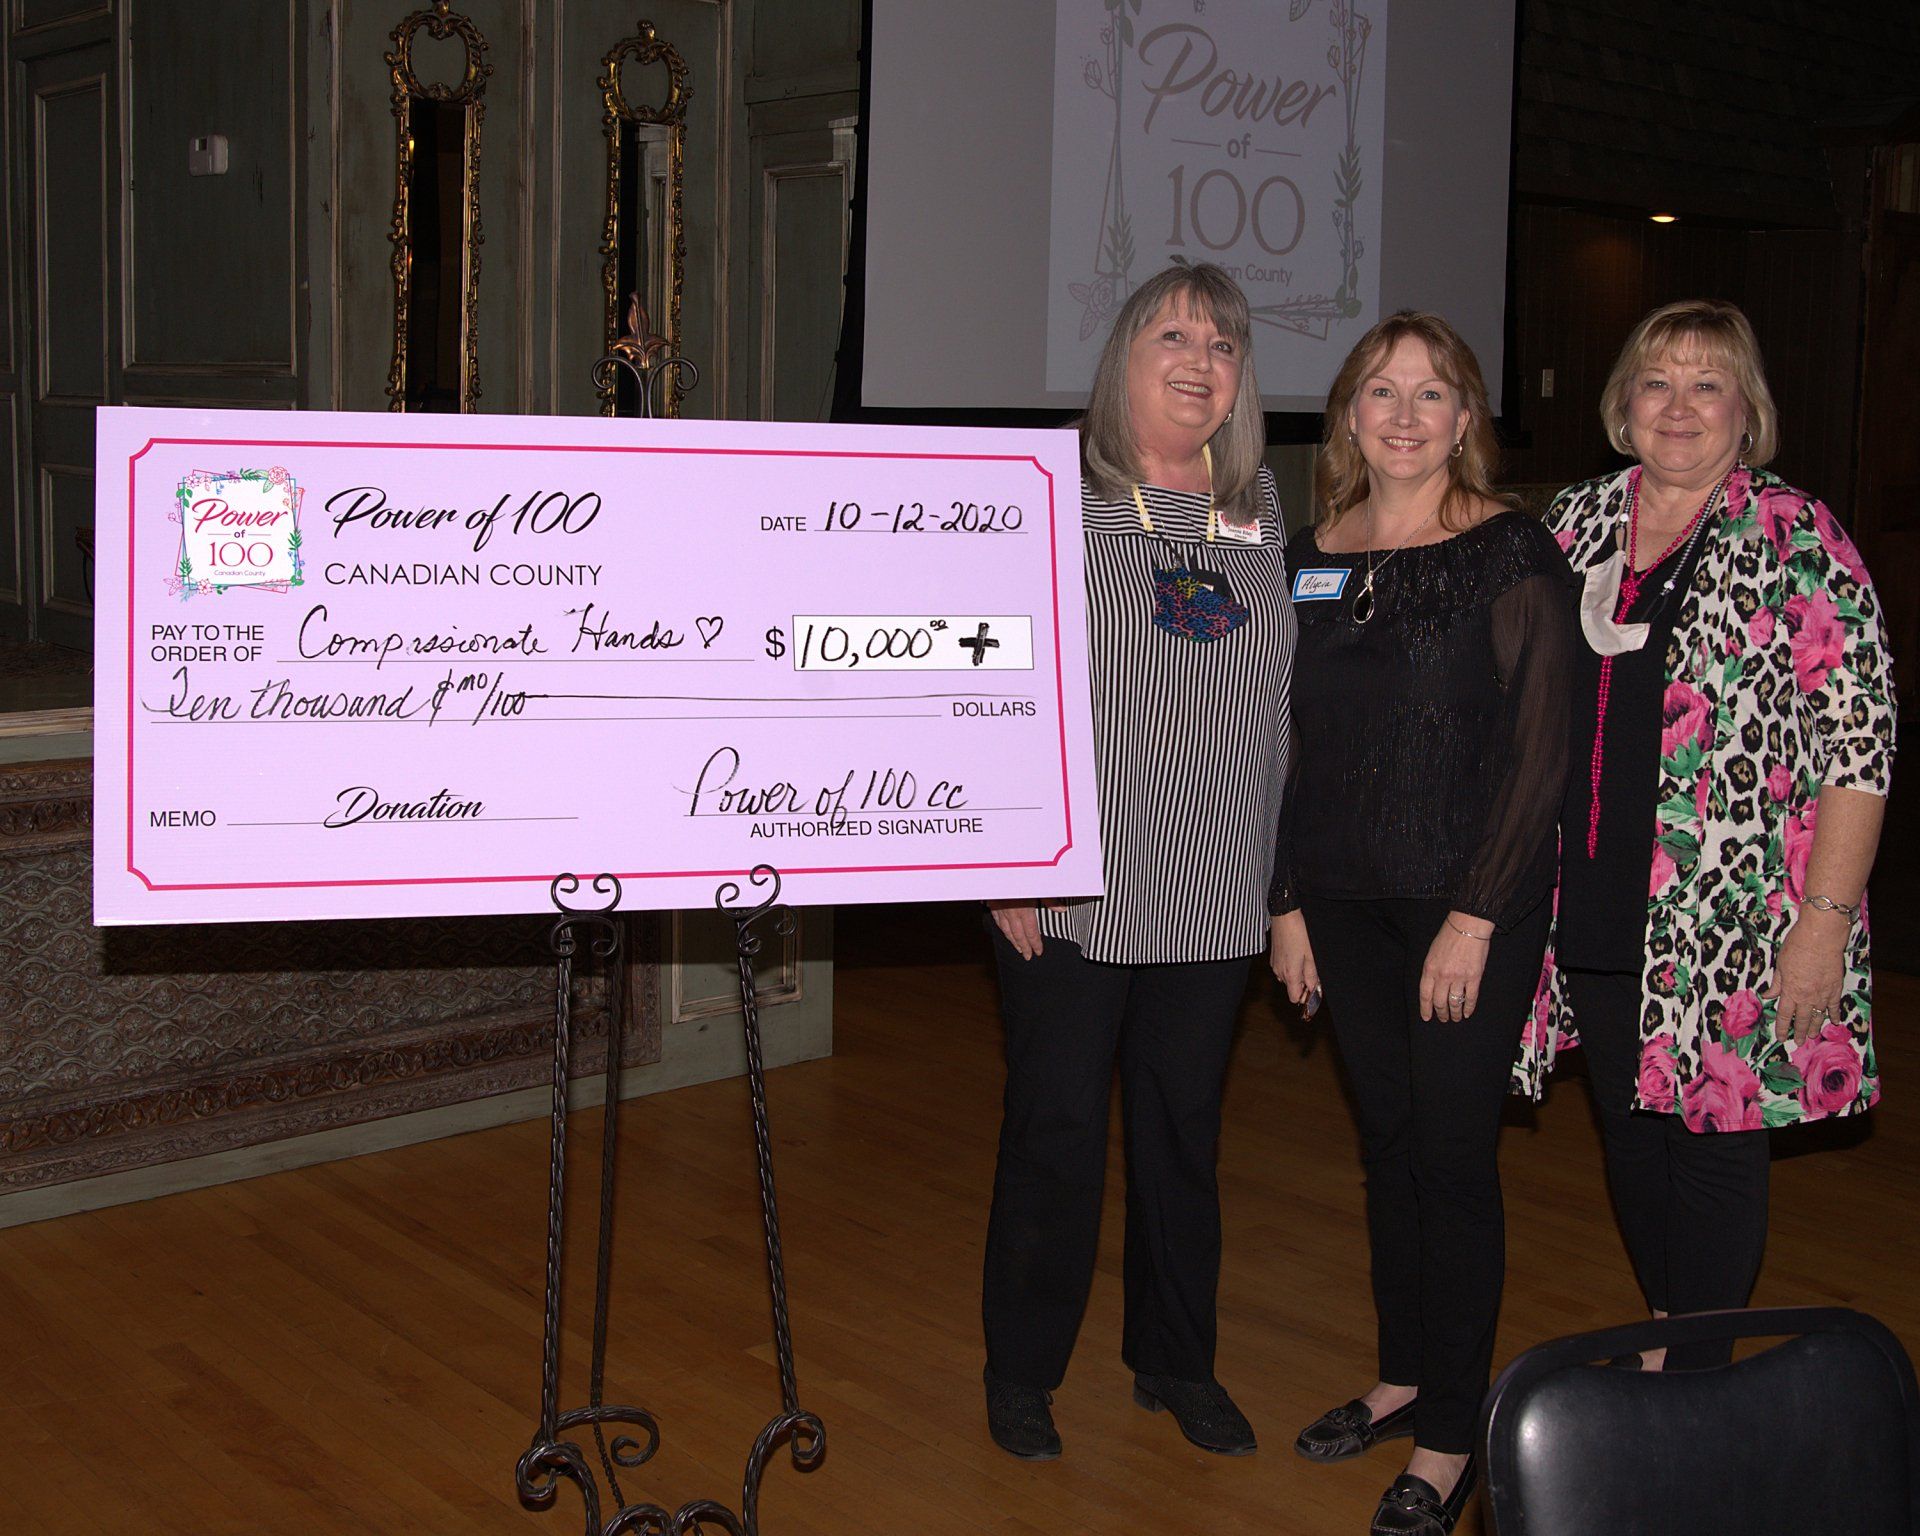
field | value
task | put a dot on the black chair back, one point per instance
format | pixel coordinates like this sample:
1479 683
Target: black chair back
1816 1436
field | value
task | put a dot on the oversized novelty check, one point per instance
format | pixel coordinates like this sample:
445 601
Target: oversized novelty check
366 665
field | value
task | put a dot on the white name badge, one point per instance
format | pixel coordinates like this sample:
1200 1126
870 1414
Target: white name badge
1320 585
1233 533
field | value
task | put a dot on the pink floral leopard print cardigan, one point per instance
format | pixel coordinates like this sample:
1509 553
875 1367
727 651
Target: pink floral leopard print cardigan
1777 684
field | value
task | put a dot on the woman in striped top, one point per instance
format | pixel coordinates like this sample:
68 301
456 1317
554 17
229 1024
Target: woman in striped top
1191 638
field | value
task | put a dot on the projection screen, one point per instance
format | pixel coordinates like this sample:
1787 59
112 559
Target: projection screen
1029 161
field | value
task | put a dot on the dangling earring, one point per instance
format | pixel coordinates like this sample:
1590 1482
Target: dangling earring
1226 418
1746 444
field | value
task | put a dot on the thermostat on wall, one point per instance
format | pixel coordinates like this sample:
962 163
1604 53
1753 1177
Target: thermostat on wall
207 156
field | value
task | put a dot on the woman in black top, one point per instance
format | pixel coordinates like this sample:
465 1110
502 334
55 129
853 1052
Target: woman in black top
1414 857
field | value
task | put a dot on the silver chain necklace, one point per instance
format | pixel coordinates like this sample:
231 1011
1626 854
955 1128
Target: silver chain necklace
1364 605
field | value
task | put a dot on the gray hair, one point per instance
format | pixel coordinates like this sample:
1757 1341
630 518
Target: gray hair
1108 453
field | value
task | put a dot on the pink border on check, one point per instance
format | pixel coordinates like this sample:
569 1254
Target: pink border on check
1059 682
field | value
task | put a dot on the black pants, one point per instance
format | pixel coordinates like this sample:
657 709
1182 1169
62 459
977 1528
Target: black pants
1429 1096
1068 1020
1692 1205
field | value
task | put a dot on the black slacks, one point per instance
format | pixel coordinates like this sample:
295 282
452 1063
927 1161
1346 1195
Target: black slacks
1692 1205
1068 1021
1428 1095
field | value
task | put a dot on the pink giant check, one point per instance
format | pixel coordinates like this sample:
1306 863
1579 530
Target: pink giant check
378 665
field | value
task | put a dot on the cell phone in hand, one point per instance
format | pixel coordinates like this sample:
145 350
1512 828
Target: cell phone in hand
1312 1005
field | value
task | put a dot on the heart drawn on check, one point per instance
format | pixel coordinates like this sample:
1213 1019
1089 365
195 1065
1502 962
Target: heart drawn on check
709 630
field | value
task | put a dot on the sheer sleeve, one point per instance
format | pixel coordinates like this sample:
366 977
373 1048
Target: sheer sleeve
1534 634
1281 896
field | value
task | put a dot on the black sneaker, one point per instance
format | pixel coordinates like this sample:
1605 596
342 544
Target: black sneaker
1019 1420
1202 1409
1413 1506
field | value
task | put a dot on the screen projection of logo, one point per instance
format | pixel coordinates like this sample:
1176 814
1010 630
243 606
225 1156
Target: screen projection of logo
1242 132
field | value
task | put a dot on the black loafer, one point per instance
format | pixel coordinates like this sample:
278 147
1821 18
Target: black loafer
1020 1421
1413 1507
1202 1409
1351 1430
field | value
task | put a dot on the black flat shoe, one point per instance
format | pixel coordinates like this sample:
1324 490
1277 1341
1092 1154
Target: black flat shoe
1351 1430
1020 1421
1202 1409
1413 1507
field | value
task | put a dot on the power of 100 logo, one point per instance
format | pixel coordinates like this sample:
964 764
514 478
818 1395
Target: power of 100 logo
238 528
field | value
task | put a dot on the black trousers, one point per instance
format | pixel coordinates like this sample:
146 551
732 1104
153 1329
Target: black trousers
1428 1096
1692 1205
1068 1021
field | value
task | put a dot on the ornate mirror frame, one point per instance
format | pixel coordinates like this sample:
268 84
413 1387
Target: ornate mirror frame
645 49
440 23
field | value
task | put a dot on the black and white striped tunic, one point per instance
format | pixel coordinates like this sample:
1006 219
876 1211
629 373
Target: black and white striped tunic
1190 739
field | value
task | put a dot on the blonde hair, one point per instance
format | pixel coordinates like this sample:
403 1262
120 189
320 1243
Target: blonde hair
1109 453
1340 472
1704 327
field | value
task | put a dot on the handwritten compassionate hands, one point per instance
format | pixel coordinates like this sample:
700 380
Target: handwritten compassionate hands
1808 974
1450 980
1291 956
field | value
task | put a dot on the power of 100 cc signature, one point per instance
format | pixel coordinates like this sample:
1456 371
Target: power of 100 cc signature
714 793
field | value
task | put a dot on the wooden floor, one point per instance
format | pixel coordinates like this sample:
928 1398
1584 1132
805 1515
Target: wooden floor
354 1348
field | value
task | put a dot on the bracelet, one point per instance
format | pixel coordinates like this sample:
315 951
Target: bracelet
1477 938
1828 904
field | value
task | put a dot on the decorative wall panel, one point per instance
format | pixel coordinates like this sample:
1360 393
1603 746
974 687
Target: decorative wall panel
11 501
194 242
36 14
66 522
70 235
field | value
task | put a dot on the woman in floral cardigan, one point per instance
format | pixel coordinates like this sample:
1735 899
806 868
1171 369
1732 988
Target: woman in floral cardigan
1733 701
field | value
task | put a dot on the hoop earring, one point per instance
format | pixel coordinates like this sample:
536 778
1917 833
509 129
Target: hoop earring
1459 447
1746 444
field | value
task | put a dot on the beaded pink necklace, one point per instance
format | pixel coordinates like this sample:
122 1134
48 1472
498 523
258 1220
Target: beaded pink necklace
1630 583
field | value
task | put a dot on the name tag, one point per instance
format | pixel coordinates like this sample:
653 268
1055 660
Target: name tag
1319 586
1247 533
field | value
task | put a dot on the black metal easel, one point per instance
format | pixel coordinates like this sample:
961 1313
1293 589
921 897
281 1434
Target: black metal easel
552 1458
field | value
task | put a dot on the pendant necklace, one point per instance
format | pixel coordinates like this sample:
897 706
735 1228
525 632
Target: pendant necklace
1364 605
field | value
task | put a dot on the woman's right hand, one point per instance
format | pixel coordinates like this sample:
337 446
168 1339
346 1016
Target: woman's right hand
1020 922
1291 956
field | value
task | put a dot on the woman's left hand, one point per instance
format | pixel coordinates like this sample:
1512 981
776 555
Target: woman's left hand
1808 974
1450 980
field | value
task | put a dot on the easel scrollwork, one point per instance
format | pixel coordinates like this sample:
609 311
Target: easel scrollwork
592 929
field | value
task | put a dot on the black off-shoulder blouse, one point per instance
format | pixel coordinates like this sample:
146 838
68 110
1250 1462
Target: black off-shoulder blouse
1430 744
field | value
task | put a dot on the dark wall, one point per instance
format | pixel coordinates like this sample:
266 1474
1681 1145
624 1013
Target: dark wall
1714 107
1749 121
1583 279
